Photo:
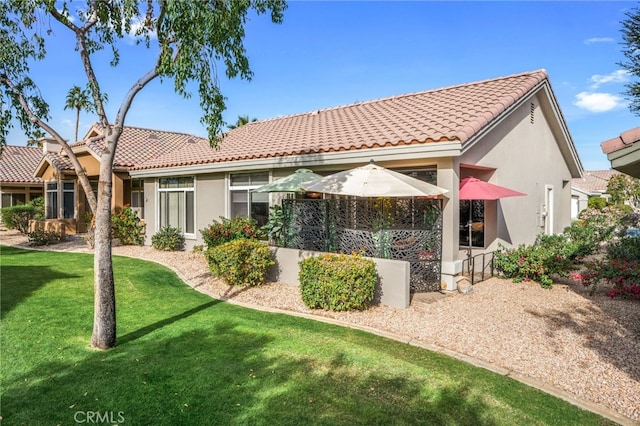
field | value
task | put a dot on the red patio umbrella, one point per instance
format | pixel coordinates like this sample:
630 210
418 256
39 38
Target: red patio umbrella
476 189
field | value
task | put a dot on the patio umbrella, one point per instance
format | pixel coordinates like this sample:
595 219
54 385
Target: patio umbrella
373 181
475 189
290 183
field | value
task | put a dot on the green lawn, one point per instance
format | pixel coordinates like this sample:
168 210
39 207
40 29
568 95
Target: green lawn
185 359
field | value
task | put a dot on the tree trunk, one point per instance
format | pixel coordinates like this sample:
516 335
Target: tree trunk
104 316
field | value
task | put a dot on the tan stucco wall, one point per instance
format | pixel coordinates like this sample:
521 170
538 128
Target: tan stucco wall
527 158
210 199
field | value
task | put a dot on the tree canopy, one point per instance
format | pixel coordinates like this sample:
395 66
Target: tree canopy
631 38
241 121
192 39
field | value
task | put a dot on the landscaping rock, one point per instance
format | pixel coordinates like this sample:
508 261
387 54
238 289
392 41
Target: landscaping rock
464 285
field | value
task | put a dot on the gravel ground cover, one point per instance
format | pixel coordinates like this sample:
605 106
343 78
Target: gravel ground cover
586 346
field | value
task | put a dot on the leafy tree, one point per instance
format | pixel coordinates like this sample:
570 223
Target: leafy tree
190 39
631 41
241 121
624 188
77 99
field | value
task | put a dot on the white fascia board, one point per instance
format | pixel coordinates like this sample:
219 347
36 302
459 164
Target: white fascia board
405 152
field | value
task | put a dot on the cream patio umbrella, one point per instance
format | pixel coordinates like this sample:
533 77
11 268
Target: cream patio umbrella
373 181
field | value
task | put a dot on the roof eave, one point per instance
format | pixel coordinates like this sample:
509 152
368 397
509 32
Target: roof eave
569 151
405 152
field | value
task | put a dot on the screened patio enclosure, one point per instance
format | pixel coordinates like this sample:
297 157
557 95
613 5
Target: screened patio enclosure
408 229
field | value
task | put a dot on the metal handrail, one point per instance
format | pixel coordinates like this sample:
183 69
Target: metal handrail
470 269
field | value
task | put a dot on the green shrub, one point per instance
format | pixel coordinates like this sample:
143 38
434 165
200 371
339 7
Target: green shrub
240 262
549 255
127 227
38 204
40 237
168 239
229 230
18 217
627 249
274 225
522 264
627 221
583 238
597 203
602 222
338 282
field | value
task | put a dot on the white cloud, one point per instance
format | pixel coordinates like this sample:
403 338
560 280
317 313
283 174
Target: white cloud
137 24
619 76
598 40
66 13
598 102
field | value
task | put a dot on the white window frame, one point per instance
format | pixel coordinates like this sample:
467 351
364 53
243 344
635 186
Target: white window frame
549 209
192 189
247 188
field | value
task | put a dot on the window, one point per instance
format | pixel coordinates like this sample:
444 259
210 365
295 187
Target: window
427 175
177 205
94 188
472 215
137 196
245 203
52 200
65 192
68 200
13 199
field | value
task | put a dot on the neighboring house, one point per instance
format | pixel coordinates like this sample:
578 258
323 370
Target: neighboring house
624 152
18 184
64 198
591 184
508 131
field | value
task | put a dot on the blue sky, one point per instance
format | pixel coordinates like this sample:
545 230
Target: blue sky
334 53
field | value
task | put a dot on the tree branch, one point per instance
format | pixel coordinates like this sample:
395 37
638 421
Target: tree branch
80 172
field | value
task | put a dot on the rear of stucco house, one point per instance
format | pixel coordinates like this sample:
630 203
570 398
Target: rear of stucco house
508 131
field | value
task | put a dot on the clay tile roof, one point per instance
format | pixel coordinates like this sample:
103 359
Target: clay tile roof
625 139
594 181
442 115
138 145
59 161
18 164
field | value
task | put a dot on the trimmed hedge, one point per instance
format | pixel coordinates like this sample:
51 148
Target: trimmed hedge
18 217
338 282
240 262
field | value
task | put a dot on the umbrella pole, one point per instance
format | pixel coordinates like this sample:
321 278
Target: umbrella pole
469 226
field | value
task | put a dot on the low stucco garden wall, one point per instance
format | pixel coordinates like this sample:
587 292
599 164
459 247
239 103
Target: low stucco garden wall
392 288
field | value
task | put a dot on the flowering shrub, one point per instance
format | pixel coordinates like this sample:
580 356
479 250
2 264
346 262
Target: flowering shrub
624 275
602 221
229 230
550 254
621 268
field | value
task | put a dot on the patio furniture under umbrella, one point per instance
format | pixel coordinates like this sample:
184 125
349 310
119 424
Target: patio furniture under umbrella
475 189
290 183
373 181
